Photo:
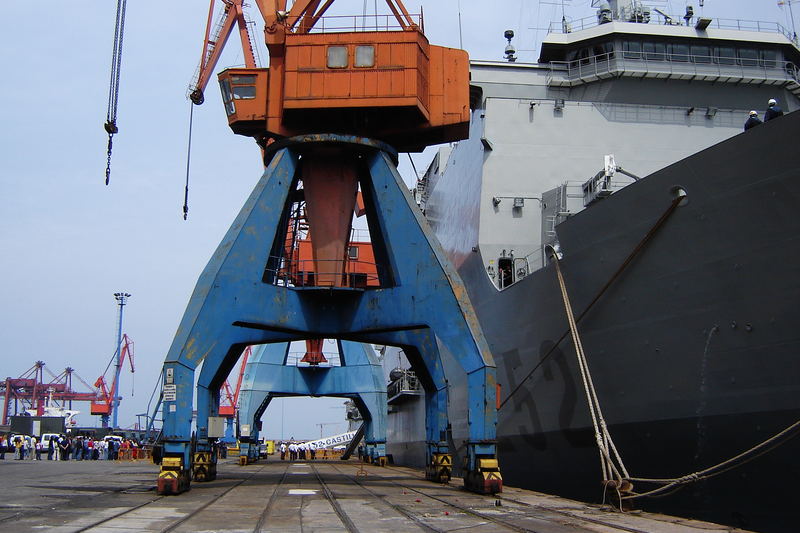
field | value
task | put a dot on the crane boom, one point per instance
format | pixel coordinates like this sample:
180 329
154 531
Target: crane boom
215 38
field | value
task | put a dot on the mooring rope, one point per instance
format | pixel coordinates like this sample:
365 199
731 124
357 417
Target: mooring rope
611 460
605 444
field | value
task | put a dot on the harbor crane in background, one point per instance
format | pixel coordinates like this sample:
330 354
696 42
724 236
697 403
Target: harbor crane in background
229 397
31 394
104 405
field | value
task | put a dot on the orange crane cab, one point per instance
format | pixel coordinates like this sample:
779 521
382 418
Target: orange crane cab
388 83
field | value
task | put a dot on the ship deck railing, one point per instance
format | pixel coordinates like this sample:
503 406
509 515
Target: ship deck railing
632 64
758 26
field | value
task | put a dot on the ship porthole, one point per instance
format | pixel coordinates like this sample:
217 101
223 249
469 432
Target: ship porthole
679 192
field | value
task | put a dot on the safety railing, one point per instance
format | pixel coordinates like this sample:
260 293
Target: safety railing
359 235
294 358
671 65
351 273
571 26
361 23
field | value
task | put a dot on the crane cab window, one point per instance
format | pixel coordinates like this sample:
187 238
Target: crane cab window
227 97
365 56
337 57
237 88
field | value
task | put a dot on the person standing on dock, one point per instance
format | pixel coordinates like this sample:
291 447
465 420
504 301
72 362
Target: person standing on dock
283 451
773 111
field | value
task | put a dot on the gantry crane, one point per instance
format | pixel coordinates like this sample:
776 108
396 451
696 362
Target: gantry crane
330 113
30 393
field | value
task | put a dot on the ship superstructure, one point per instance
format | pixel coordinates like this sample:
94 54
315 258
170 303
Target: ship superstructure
648 94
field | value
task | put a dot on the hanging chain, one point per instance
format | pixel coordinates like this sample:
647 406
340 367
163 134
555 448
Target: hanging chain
188 160
113 87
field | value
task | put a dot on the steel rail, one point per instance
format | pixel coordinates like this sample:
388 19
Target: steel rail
174 525
526 504
272 499
462 508
346 521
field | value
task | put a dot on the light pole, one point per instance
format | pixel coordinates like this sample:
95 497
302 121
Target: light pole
122 299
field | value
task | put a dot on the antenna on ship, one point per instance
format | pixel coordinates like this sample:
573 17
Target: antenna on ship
789 3
510 50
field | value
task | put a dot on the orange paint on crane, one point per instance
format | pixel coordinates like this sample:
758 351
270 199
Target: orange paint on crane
392 86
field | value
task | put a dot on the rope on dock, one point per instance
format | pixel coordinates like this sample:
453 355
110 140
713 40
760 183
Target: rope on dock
737 460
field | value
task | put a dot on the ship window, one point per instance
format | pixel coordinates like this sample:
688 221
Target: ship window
655 51
352 252
701 53
748 57
337 57
602 49
769 58
365 56
584 55
725 55
679 52
632 50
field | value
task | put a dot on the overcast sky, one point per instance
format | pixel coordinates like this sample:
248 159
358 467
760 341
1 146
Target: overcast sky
69 242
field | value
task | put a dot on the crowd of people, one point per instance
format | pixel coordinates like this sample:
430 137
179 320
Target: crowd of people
63 448
773 111
297 451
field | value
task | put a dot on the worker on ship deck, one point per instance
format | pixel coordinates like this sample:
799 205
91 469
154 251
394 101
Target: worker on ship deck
752 121
773 111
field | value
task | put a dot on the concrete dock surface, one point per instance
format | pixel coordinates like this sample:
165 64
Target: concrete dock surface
281 496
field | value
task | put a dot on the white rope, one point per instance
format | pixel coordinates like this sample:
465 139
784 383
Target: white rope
605 444
609 465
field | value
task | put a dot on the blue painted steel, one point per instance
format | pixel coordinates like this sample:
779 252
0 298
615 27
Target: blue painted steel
121 300
360 378
422 303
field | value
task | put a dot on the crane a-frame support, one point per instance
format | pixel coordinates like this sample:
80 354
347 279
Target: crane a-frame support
359 378
421 305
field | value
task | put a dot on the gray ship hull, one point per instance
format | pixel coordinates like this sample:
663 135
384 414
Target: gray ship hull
693 350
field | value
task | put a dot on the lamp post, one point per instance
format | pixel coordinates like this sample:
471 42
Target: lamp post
122 299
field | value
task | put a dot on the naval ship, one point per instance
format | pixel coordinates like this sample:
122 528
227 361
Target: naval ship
621 153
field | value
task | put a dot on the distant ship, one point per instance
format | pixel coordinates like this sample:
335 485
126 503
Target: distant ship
52 409
625 141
